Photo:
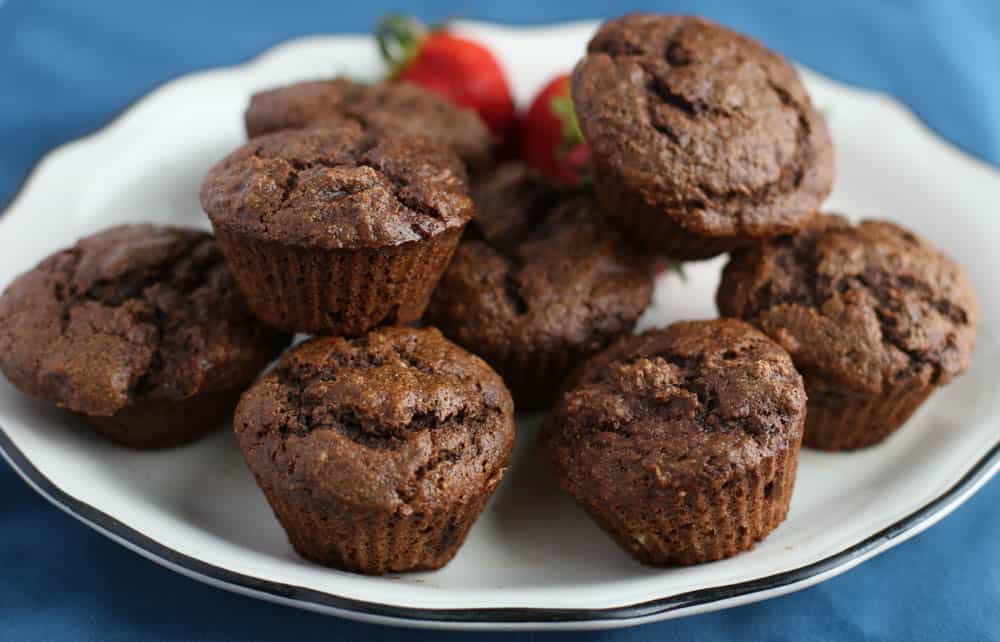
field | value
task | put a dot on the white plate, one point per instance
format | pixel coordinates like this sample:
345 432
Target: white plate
533 560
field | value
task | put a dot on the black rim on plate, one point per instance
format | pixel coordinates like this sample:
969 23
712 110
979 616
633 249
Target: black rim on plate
950 499
94 517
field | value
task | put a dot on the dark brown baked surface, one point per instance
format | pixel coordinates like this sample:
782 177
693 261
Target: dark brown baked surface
509 202
400 421
405 105
696 401
135 314
340 186
682 443
865 307
540 283
703 124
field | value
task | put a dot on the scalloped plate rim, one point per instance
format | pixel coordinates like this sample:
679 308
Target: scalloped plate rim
701 600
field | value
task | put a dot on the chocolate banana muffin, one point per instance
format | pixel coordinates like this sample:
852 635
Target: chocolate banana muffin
404 105
377 454
874 317
540 284
702 139
682 443
140 329
340 228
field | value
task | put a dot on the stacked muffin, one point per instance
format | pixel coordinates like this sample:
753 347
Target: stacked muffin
349 212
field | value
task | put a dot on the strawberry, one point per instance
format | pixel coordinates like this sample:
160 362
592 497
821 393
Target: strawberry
460 69
662 264
551 136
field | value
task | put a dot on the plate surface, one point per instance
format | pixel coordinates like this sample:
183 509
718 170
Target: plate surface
533 560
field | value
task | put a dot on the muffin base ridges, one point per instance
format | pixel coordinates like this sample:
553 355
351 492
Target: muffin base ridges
339 292
850 423
163 424
693 526
535 378
373 542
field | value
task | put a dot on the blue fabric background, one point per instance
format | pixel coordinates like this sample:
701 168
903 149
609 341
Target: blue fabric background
67 68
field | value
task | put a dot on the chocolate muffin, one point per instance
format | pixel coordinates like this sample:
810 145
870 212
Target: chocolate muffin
140 329
337 229
417 111
377 454
874 317
702 139
682 443
540 284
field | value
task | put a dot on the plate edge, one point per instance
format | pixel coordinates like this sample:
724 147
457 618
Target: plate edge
670 606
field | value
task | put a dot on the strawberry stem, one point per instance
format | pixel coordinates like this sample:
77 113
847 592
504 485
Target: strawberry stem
398 39
563 109
573 151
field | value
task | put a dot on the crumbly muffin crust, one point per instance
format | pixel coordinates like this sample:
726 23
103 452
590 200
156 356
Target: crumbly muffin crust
865 307
400 419
682 442
540 283
132 315
397 105
698 400
342 185
378 453
701 125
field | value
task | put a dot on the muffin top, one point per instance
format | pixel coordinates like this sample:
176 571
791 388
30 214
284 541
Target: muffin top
342 185
696 402
705 124
865 307
417 111
538 271
509 201
400 420
131 314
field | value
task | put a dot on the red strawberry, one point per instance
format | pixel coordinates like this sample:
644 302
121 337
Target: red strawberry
463 70
551 137
662 264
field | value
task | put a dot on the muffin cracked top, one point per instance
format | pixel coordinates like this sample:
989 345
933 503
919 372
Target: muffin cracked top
867 307
400 419
135 313
417 111
705 124
698 400
538 273
342 185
